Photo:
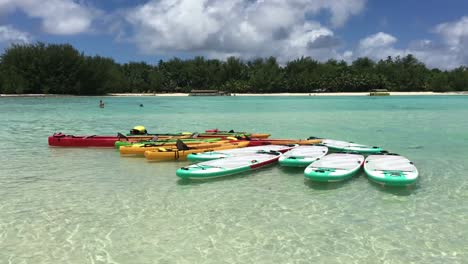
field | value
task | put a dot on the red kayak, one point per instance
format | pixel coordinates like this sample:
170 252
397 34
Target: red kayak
62 140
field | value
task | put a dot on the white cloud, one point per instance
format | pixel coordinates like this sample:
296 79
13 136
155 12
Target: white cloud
379 40
376 46
454 33
243 27
455 36
9 34
61 17
342 10
448 53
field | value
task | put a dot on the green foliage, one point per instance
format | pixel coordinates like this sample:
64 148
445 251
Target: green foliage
99 75
265 76
61 69
458 79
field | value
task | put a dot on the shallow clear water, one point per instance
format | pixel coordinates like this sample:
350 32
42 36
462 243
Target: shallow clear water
92 206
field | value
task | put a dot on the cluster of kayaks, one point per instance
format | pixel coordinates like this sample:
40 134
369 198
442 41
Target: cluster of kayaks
63 140
217 153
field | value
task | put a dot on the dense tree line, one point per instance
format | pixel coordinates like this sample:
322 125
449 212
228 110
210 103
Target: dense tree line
61 69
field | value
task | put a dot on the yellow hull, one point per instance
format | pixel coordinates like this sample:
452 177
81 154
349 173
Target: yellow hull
139 149
174 154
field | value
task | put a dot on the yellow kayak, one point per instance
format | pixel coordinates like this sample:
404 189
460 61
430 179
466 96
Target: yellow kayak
175 154
139 149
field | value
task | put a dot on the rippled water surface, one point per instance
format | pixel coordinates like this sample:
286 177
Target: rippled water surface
92 206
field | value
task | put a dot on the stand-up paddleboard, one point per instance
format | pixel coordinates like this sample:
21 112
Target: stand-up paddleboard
211 155
302 156
227 166
391 169
338 145
334 167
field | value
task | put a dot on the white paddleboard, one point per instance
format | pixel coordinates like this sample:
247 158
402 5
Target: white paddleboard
334 167
302 156
211 155
227 166
392 170
339 145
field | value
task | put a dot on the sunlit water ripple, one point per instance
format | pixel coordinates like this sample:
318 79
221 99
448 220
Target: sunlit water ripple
92 206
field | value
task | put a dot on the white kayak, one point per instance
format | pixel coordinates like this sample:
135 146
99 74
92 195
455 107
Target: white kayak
211 155
227 166
390 169
334 167
302 156
338 145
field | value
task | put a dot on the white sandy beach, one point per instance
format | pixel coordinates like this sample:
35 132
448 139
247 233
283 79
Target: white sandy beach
296 94
36 95
244 94
341 94
148 94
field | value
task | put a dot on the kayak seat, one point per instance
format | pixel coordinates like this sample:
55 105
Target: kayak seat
181 145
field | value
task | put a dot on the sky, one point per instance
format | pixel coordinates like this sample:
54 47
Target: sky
434 31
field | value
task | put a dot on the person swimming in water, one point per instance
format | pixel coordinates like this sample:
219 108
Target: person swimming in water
141 105
101 104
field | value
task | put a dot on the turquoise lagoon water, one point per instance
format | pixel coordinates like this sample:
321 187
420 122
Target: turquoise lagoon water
92 206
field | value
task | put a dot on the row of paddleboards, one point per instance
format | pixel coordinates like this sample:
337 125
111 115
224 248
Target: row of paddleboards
382 168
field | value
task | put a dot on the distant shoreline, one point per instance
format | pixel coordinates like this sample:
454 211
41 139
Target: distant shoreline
238 94
295 94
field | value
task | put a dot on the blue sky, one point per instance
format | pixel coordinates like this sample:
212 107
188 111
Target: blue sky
436 32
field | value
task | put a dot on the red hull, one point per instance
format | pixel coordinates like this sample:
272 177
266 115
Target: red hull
61 140
254 143
261 164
